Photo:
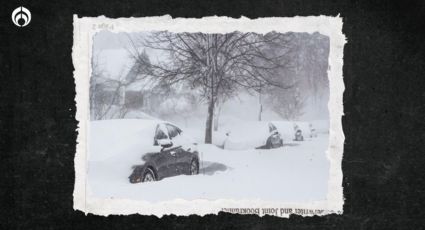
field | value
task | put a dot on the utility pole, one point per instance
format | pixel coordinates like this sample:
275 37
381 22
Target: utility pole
261 105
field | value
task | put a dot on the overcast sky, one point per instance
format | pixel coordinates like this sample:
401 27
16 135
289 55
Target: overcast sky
109 40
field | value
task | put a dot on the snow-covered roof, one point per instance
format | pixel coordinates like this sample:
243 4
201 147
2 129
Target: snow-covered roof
117 64
142 84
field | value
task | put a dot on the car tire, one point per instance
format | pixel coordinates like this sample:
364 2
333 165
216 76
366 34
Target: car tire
194 167
148 175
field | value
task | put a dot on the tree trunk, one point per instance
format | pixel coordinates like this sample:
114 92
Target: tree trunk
209 124
261 105
217 111
259 113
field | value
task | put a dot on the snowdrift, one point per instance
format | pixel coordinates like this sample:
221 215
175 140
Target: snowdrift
121 139
292 173
246 135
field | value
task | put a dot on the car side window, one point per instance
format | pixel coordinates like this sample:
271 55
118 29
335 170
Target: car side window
173 130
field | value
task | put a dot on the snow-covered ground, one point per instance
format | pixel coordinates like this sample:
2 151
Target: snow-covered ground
293 173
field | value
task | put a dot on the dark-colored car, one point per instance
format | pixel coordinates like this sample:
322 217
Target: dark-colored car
252 135
274 140
299 135
176 157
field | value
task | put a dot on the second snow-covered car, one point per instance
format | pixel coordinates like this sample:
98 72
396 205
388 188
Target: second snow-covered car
299 135
249 135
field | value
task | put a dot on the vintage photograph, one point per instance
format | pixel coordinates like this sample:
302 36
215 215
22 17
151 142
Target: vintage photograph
240 116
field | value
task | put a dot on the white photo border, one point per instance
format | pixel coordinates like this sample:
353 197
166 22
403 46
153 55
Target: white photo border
84 30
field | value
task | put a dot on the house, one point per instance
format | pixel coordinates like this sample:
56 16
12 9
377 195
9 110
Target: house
114 84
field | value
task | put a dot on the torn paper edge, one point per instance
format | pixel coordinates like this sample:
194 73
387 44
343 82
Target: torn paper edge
84 30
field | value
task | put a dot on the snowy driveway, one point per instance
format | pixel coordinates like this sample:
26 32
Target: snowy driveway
296 172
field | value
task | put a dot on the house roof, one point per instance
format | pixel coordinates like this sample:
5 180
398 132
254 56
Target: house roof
118 64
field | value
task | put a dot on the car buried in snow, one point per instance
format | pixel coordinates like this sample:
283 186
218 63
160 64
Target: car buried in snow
299 135
142 149
250 135
178 156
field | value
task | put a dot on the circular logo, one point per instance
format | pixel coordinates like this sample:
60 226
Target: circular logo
21 16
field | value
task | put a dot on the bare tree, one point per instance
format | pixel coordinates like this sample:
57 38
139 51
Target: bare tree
308 74
104 92
289 104
107 94
218 65
105 97
311 63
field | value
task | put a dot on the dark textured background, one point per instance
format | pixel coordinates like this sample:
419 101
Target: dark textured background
384 122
